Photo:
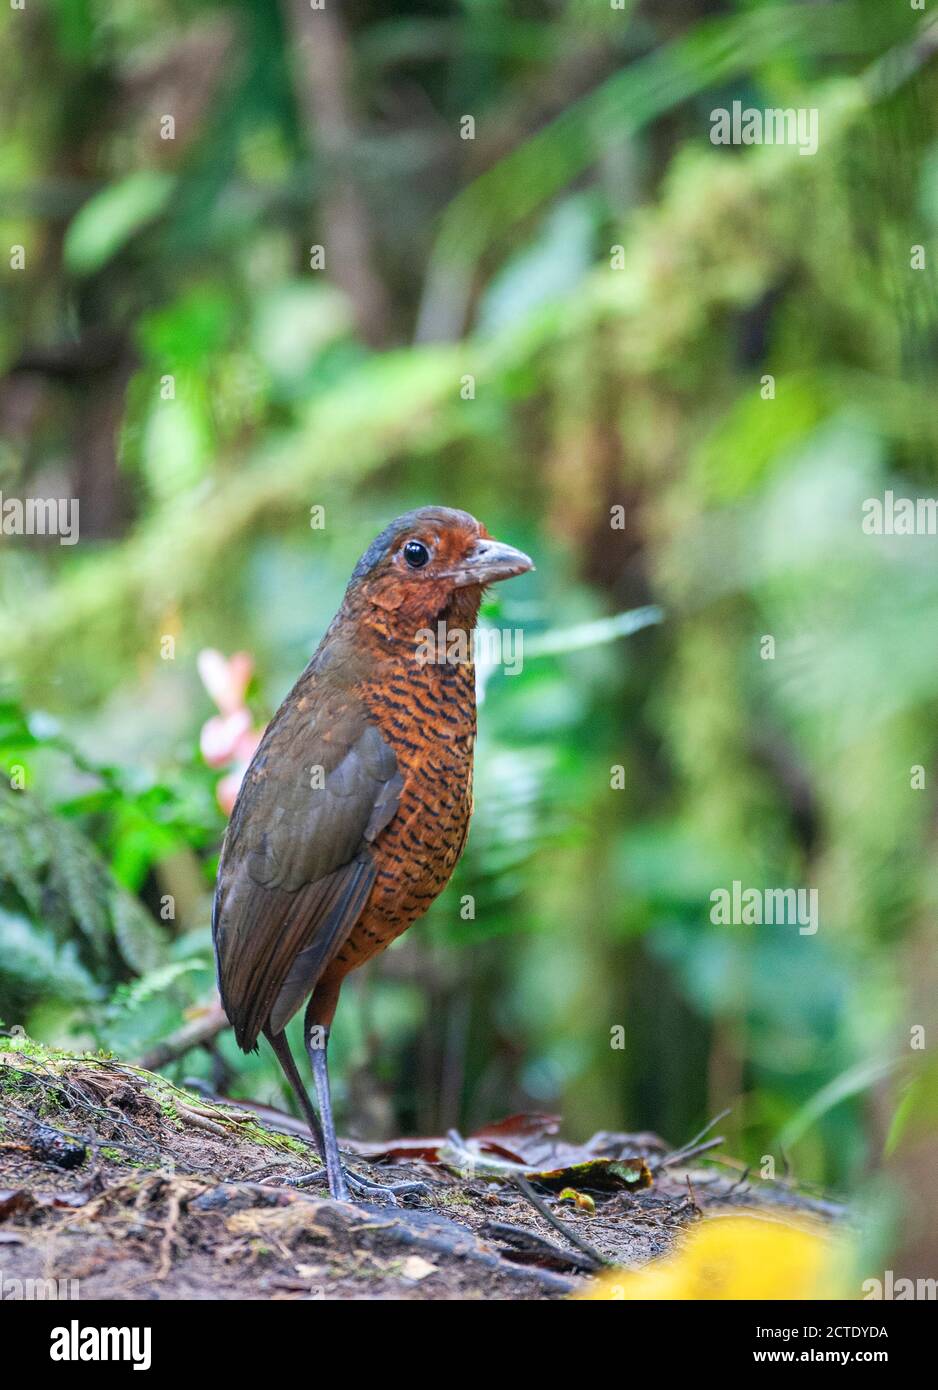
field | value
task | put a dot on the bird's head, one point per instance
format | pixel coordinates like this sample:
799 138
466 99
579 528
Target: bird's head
432 562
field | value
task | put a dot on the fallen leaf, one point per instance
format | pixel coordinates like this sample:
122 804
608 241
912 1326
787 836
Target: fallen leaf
528 1139
14 1200
602 1174
416 1268
581 1200
391 1149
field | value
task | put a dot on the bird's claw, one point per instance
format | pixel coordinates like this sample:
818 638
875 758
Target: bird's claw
318 1175
376 1191
363 1187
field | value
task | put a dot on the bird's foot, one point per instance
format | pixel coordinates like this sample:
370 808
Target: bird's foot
317 1176
378 1192
352 1185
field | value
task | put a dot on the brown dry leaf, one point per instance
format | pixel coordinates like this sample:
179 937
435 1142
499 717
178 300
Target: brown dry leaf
15 1200
528 1139
18 1200
403 1149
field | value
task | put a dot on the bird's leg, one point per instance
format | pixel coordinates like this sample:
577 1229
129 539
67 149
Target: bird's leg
317 1040
341 1182
281 1047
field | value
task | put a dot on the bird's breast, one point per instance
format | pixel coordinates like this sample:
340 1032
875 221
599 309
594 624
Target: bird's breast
427 715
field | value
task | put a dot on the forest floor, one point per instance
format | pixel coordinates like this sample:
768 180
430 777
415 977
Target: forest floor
112 1177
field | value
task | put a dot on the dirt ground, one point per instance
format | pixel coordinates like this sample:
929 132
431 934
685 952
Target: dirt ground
112 1177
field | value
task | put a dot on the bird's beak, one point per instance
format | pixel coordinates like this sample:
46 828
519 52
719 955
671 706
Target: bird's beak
488 561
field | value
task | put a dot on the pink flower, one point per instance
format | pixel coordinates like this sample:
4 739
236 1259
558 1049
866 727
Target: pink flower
228 737
222 736
226 678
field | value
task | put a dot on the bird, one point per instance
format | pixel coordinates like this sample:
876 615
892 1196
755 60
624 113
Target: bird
355 807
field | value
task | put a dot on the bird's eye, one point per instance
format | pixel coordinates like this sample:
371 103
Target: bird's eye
416 554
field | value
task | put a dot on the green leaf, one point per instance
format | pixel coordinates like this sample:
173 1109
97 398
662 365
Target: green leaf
917 1111
139 939
130 997
32 958
851 1082
79 875
109 219
558 641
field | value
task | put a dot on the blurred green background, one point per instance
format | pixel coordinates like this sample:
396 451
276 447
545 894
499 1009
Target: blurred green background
585 307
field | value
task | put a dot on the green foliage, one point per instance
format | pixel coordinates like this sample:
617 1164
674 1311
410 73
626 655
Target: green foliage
112 217
73 926
62 879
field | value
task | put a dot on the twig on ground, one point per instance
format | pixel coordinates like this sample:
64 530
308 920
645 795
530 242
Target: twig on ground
739 1181
683 1155
693 1147
577 1241
527 1242
169 1235
199 1121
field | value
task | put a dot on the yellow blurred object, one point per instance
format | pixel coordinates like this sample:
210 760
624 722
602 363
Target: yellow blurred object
736 1256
